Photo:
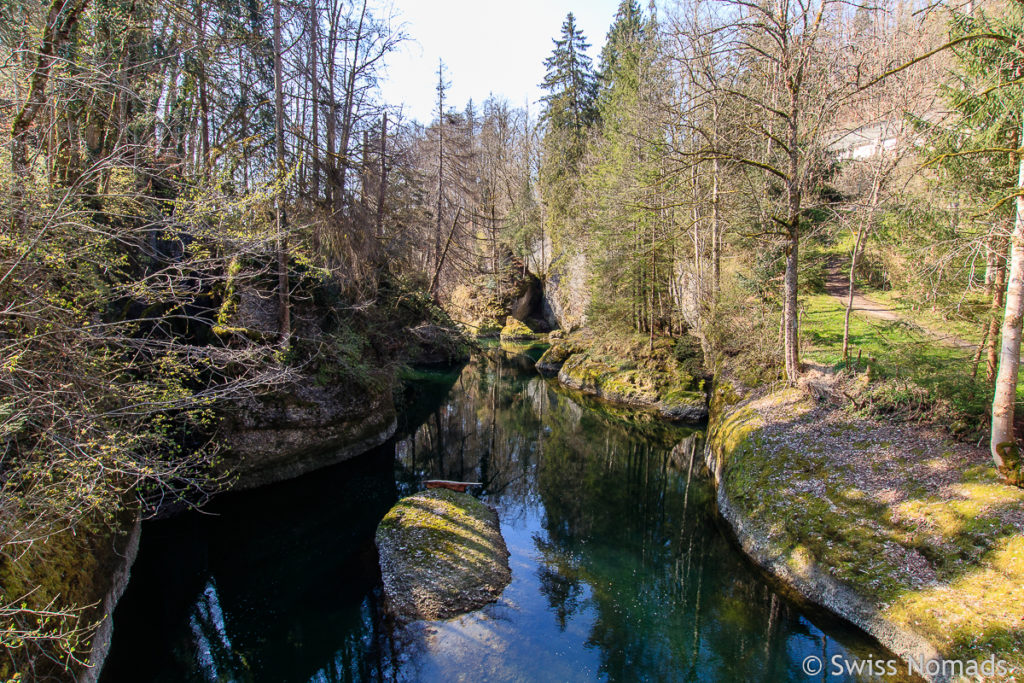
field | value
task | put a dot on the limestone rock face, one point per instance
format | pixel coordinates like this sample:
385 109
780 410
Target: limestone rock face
302 428
566 294
441 555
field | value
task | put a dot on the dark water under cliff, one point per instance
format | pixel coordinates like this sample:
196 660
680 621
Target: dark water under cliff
620 571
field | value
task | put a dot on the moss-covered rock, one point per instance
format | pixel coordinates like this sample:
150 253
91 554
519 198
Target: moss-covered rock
650 378
901 531
516 330
84 570
441 555
556 355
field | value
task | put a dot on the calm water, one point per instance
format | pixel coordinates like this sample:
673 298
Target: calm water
619 571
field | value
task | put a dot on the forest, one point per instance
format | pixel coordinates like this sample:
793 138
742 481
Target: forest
216 230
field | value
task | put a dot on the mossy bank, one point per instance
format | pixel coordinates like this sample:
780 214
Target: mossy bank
86 570
898 529
662 374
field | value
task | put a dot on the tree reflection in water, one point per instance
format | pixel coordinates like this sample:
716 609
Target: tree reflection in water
624 546
619 570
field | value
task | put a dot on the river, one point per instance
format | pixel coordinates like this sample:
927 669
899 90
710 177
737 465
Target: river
620 569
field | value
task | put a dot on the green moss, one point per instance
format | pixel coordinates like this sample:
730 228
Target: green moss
516 330
441 554
559 352
629 370
68 570
964 535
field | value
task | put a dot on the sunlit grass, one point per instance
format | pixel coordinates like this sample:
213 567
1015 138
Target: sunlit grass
898 350
963 320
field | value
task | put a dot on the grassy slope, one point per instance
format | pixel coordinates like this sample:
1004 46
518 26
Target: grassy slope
901 352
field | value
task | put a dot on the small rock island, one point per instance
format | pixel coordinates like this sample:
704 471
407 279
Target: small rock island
441 555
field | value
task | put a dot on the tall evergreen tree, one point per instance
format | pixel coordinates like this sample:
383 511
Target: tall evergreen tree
569 111
625 34
570 81
626 179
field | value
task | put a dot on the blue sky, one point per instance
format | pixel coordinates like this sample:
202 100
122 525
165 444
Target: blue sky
487 46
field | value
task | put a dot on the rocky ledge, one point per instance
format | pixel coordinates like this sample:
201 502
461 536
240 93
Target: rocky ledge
441 555
303 427
638 376
896 528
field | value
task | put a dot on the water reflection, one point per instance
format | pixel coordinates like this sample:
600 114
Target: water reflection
619 570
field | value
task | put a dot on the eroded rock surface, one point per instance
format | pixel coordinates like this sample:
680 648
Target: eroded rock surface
441 555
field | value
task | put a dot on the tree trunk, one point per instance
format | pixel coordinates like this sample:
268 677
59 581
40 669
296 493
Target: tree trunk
849 297
793 198
348 115
284 307
440 166
61 19
792 352
858 244
330 157
204 100
998 300
1004 447
383 184
314 42
716 236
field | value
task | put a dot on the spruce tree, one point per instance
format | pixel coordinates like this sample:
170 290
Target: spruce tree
625 178
570 82
569 111
625 34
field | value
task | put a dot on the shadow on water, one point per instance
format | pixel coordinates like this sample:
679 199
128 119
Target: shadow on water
619 569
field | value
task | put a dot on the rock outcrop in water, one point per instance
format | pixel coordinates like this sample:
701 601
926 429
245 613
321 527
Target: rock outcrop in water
441 555
516 330
629 372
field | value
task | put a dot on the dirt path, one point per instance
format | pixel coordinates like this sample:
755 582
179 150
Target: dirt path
837 284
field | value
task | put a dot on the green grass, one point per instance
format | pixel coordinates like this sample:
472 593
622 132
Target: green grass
897 351
963 320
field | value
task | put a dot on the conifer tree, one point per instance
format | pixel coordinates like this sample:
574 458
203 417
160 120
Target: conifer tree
570 82
569 111
625 178
625 33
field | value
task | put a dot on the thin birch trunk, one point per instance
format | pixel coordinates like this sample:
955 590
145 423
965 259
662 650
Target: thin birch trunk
1004 448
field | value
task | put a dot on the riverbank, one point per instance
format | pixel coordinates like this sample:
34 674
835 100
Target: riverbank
331 397
897 528
665 374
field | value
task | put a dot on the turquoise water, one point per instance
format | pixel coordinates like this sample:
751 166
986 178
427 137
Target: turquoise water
619 569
